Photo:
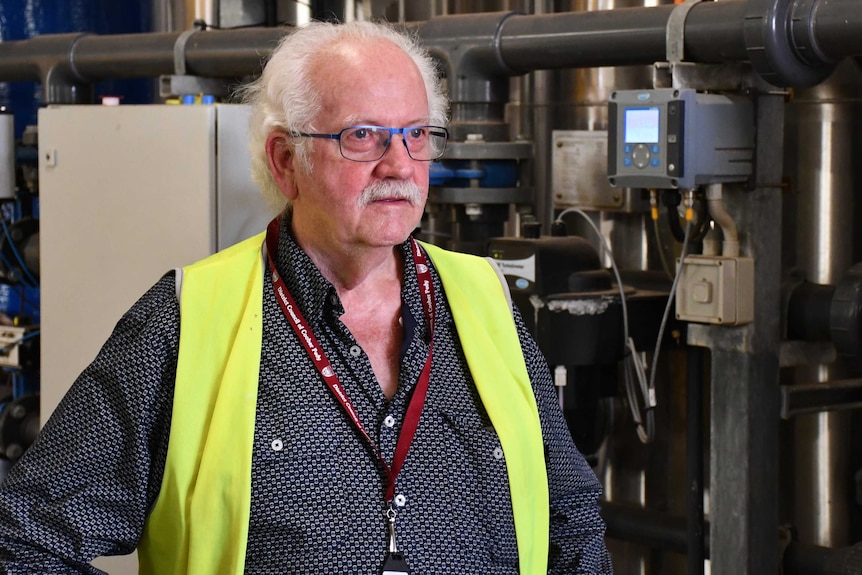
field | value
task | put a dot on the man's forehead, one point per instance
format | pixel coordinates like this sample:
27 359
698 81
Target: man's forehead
362 51
349 74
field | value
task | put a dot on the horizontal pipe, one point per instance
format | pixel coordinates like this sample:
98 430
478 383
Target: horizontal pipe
668 533
211 53
802 559
714 33
836 27
621 37
646 527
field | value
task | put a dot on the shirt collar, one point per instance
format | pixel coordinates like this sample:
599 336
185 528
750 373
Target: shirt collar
316 296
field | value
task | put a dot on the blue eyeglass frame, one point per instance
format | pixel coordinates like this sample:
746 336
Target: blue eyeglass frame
392 132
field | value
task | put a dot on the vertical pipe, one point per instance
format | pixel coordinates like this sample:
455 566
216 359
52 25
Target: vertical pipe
694 458
270 13
825 121
543 124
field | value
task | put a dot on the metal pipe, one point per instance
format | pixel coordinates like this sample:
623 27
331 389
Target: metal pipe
666 532
813 560
822 129
639 525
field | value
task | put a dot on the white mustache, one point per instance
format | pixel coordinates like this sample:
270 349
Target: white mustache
391 190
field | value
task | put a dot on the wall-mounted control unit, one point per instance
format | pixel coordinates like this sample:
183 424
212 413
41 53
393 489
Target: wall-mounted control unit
670 138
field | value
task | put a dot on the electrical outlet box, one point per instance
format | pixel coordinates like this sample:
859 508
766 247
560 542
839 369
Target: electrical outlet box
716 289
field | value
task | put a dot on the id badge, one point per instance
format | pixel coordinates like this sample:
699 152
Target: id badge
394 564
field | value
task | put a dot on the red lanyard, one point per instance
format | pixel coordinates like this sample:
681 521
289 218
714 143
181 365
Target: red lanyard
315 352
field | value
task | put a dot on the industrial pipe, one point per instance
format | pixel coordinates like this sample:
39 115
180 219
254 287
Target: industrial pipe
621 37
811 34
646 527
668 533
813 560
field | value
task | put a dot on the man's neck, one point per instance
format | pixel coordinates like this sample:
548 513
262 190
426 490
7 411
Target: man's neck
351 268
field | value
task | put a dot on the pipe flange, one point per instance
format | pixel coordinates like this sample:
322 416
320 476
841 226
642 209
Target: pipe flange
802 33
773 48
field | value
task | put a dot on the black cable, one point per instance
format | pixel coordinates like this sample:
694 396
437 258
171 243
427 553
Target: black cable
671 200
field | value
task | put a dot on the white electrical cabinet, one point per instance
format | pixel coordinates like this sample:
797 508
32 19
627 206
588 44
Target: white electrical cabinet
127 193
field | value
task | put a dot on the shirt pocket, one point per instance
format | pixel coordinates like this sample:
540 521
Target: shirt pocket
296 479
482 453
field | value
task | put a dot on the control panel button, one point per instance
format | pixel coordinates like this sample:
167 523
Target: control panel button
641 156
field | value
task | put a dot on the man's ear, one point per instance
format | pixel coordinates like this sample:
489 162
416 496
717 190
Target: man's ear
281 156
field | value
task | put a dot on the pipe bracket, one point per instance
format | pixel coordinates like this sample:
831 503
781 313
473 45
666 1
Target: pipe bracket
180 51
675 31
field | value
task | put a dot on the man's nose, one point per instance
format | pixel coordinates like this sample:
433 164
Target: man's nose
396 161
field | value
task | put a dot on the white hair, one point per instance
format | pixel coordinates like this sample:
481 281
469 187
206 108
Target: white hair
285 98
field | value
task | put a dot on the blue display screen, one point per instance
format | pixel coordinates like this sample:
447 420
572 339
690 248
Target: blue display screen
641 126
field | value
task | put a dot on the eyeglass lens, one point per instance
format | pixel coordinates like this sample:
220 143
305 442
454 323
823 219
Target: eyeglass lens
369 143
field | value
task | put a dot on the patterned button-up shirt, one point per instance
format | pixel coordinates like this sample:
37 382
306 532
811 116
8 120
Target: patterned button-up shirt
85 487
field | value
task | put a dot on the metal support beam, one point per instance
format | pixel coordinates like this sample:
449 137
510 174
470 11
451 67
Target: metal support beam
745 385
833 395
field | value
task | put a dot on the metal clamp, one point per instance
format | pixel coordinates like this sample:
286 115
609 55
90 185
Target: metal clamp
180 51
675 31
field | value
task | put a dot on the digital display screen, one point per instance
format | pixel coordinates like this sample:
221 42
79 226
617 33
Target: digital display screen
641 126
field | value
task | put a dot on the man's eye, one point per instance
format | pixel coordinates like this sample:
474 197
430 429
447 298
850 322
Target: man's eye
417 133
360 133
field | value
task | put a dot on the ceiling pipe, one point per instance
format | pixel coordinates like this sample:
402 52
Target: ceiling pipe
792 42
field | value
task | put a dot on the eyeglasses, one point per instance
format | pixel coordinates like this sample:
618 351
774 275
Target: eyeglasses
369 143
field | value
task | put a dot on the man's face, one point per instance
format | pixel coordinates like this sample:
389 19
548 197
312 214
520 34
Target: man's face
360 204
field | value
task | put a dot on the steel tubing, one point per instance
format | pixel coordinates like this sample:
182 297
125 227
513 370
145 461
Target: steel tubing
667 532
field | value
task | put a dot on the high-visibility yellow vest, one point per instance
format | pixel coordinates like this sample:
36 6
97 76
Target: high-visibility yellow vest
199 524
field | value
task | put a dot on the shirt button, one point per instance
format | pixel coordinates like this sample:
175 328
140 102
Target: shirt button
277 445
355 350
400 500
498 453
389 421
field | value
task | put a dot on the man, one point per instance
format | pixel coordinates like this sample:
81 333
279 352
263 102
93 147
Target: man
348 402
